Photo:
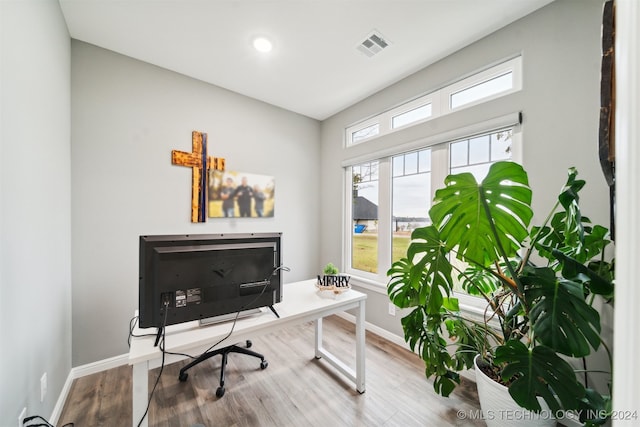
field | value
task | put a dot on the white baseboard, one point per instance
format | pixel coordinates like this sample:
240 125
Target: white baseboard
376 330
396 339
62 398
99 366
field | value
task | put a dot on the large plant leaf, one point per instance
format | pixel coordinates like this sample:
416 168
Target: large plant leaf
484 219
577 241
568 230
559 315
596 241
422 333
479 281
572 268
399 288
424 277
433 267
595 409
570 199
539 372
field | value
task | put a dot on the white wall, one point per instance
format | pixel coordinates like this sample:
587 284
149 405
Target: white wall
35 222
127 116
560 46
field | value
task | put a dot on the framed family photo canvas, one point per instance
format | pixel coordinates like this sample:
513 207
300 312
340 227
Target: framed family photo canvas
238 194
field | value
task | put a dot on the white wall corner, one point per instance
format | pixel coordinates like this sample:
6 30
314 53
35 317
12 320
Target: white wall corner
62 399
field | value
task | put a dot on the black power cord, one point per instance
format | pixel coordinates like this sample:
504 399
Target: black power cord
132 326
43 424
240 310
161 344
266 281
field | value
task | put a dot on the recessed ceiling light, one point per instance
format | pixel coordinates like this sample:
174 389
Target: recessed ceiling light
262 44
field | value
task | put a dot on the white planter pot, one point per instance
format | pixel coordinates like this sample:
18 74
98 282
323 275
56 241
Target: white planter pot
500 410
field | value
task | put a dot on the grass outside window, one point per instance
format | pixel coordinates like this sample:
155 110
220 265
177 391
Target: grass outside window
365 250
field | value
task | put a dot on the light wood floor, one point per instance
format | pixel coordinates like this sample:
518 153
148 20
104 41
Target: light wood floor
295 390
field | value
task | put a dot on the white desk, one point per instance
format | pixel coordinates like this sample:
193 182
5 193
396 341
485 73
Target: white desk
301 302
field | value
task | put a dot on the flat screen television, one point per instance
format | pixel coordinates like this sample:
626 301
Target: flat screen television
197 277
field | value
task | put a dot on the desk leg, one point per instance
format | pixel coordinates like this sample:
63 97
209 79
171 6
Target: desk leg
320 352
360 346
318 338
140 393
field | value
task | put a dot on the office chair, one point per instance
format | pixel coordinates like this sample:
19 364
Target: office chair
225 353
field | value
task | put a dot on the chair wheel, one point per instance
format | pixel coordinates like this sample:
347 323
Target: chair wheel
183 376
264 364
249 344
220 392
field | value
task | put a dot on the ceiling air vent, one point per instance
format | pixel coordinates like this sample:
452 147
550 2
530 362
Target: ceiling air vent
373 44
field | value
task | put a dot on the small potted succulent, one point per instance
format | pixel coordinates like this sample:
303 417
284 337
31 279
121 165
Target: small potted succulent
539 283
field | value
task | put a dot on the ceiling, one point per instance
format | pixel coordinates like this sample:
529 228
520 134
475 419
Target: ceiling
314 68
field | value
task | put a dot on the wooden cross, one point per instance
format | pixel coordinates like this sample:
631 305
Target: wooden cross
200 164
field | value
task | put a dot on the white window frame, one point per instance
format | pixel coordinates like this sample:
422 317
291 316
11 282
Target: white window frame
440 100
513 66
363 125
440 166
432 99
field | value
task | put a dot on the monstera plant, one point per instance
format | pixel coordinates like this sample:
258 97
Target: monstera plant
540 284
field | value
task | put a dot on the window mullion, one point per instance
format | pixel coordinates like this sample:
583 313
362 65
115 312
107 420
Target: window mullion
436 104
439 166
384 218
385 123
347 223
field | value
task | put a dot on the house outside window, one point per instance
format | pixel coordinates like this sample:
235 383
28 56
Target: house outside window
364 213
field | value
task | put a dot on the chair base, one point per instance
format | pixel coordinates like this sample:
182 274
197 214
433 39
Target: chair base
225 353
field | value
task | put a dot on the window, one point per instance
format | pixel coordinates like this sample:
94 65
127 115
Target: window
365 133
364 214
411 189
411 116
391 196
476 154
482 90
490 83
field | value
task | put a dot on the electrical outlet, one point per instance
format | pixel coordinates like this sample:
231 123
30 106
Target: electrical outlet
22 416
43 386
392 309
